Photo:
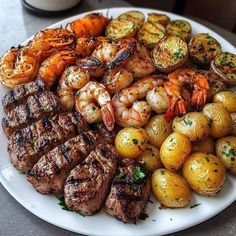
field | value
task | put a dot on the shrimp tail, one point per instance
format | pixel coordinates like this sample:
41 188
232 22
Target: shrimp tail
170 113
198 100
108 116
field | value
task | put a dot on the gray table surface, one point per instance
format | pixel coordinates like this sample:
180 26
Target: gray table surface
16 25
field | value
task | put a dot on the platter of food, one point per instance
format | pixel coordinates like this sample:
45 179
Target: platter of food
120 121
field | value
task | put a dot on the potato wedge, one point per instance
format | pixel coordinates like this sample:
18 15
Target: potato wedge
137 17
180 28
119 28
157 18
170 54
224 65
151 34
203 48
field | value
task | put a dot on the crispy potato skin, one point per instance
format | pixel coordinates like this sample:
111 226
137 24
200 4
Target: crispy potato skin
174 151
206 146
227 99
170 188
204 173
91 25
158 130
137 17
155 18
226 151
221 121
194 125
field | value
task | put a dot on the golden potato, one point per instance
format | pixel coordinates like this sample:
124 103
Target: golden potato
170 188
158 130
206 146
204 173
194 125
226 151
137 17
174 150
150 158
233 116
131 142
221 121
227 99
157 18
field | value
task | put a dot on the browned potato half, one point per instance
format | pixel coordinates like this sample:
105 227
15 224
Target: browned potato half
158 129
155 18
224 65
119 28
233 116
150 158
227 99
204 173
221 121
170 188
226 151
203 48
137 17
206 146
180 28
151 34
169 54
195 125
174 150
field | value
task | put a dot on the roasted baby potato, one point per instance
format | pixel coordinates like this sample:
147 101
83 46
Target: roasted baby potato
131 142
180 28
151 34
169 54
206 146
137 17
194 125
204 173
150 158
233 116
224 65
221 122
119 28
203 48
226 151
174 150
155 18
227 99
158 129
170 188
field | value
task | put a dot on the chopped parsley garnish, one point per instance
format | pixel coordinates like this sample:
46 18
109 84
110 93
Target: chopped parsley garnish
32 145
231 152
186 121
195 205
138 174
93 108
135 141
206 158
143 216
171 140
162 172
178 54
124 176
215 85
21 172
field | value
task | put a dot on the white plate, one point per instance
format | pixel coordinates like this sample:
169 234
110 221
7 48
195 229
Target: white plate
159 222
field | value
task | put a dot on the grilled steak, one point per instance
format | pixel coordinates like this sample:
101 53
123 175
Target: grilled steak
49 174
27 145
37 106
20 93
87 186
129 192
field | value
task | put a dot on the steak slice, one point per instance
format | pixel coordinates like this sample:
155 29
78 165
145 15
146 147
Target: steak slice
20 93
37 106
129 192
87 186
49 174
27 145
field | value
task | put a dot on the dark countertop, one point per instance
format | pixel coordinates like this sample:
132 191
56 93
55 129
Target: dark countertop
16 25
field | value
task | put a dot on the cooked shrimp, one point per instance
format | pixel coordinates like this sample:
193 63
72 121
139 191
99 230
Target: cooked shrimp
140 64
87 100
175 81
129 111
48 41
72 79
86 45
53 66
18 66
117 79
92 24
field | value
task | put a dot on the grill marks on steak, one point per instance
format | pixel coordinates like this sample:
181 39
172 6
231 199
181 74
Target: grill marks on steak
88 183
128 196
20 93
37 106
27 145
49 174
